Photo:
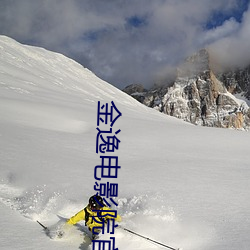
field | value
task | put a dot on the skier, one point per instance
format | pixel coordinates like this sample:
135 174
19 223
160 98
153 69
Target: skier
93 219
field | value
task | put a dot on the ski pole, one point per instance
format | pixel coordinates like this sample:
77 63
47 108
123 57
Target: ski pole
159 243
45 228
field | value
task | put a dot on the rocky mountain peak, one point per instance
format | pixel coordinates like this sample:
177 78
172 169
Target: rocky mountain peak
197 64
200 96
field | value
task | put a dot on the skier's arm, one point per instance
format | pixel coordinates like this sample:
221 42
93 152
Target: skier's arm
77 217
118 218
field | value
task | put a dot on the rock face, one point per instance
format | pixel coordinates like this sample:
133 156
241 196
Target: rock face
137 91
237 81
201 97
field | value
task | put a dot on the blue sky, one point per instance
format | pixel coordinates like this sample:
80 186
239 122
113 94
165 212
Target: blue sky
218 17
131 41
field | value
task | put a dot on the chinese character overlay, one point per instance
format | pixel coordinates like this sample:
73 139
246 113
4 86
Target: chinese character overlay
107 142
104 244
103 114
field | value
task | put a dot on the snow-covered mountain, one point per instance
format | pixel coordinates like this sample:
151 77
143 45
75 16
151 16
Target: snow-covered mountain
201 96
182 185
237 81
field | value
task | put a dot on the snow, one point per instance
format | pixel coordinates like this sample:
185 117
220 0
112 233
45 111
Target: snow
242 99
182 185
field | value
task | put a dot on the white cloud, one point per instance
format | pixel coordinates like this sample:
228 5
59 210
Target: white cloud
233 50
97 32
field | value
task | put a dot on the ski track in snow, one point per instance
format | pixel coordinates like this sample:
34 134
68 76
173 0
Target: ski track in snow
144 214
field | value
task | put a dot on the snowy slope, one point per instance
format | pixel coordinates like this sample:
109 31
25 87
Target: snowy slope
182 185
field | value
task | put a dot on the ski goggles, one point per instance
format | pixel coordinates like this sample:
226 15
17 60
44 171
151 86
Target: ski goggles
95 206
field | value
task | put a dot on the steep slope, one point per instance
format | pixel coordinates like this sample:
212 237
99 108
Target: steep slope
182 185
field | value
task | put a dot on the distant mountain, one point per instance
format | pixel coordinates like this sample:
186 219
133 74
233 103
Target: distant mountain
237 81
201 95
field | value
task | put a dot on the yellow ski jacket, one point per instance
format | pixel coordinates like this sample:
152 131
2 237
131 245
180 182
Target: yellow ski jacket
93 219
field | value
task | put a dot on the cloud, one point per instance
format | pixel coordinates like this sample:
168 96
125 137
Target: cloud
121 41
228 28
233 49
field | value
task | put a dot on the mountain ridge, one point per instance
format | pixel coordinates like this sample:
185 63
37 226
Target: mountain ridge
200 95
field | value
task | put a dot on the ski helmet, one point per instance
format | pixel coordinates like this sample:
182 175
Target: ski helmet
95 202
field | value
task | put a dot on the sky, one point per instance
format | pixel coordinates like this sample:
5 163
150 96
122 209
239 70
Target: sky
131 41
